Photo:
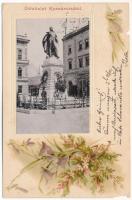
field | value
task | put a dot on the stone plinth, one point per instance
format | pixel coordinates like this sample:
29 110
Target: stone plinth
52 66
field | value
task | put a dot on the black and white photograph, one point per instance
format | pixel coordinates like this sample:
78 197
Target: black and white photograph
53 75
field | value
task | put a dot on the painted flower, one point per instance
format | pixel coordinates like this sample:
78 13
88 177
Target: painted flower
45 149
62 161
29 142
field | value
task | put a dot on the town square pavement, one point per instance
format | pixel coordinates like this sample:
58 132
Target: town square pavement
75 120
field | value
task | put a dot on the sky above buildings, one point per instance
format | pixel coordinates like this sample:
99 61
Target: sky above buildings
35 29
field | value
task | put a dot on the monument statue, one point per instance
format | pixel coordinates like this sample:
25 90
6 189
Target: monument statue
51 65
49 43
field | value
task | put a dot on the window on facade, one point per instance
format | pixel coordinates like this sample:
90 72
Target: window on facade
19 72
70 64
69 50
86 43
87 60
19 54
80 46
29 88
80 62
83 88
72 89
19 88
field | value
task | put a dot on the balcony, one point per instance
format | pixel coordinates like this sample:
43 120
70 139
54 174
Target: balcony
22 79
26 62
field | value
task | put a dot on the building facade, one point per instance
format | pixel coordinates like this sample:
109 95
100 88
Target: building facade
22 63
34 85
76 62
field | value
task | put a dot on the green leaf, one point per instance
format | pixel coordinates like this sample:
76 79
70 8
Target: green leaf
84 180
26 168
65 191
40 181
57 146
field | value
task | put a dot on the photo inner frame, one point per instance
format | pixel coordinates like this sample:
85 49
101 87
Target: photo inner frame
53 75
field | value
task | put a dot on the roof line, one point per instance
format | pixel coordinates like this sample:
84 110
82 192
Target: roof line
76 32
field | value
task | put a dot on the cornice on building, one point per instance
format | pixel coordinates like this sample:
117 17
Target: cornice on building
24 62
22 79
77 71
74 33
22 39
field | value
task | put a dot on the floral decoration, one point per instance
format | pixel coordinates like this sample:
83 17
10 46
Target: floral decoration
115 31
70 161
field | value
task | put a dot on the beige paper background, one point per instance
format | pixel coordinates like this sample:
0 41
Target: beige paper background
100 61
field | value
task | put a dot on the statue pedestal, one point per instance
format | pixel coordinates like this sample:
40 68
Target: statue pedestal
52 66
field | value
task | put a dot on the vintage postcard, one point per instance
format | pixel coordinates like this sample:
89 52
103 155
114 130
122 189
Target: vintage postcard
66 100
